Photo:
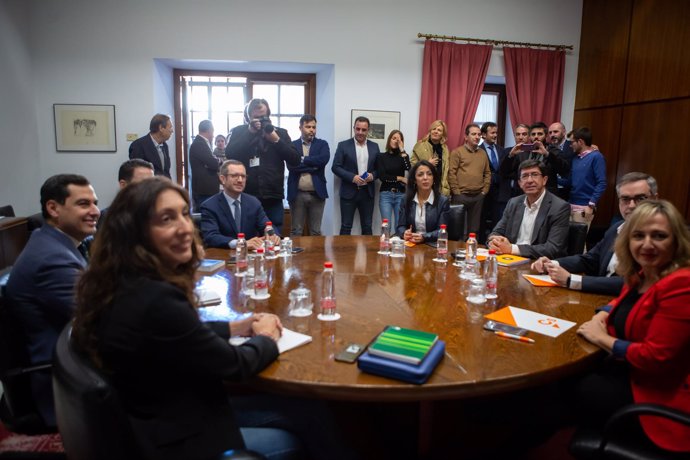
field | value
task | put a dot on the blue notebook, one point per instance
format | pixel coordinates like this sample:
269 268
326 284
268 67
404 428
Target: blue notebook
411 373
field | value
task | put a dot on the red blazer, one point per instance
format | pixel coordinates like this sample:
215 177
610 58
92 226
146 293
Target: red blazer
658 328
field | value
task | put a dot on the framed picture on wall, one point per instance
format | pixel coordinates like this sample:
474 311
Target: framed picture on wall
84 128
381 123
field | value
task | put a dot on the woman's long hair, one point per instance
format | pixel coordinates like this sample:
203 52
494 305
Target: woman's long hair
123 249
389 149
412 184
627 266
434 124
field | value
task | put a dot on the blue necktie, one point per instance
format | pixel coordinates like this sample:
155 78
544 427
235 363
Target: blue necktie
494 158
238 215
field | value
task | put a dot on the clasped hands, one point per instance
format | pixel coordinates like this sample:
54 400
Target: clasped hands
409 235
500 244
357 180
266 324
258 242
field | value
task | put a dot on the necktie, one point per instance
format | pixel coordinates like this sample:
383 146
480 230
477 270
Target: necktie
238 215
161 155
84 251
494 158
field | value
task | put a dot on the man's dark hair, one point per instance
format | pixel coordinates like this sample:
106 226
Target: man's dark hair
361 119
306 118
252 105
528 164
539 125
471 125
127 168
205 126
485 127
158 121
55 188
583 133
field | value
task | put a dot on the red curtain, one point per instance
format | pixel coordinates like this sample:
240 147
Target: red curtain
452 81
534 83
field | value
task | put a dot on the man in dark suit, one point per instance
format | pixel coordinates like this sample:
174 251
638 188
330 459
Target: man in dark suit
153 147
599 264
220 222
204 165
556 138
534 224
307 182
264 149
499 192
40 290
354 162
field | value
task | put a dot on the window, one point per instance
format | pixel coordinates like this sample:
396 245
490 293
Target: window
492 107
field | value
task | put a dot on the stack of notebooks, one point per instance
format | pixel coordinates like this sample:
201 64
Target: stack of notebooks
403 354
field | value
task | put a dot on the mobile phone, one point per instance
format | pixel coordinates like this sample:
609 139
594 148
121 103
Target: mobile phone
495 326
350 353
364 175
527 147
297 250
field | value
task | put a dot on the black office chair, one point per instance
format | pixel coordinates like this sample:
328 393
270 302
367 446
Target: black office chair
577 237
456 223
196 218
34 221
614 442
18 411
6 211
90 415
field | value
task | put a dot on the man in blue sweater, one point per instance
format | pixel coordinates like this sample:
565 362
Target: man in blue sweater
587 178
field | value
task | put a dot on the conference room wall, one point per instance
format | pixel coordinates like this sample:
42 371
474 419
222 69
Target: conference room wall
121 53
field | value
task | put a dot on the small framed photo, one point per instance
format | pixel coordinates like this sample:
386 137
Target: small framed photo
84 128
381 123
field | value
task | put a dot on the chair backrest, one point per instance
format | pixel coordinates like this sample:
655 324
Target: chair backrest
196 218
577 237
17 408
456 223
7 211
35 221
92 422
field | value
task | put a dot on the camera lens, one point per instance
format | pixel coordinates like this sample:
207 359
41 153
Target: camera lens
268 128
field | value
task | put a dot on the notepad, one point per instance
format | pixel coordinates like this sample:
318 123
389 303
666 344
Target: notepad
210 265
288 340
400 344
531 320
207 297
540 280
509 260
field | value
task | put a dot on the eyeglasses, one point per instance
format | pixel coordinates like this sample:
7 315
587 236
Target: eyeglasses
637 199
533 175
236 176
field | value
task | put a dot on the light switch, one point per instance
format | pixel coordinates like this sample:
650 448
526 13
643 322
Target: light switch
132 137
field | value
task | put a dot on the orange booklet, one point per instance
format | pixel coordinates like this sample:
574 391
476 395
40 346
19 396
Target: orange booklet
540 280
509 260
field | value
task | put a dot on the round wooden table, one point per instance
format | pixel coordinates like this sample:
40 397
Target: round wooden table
374 291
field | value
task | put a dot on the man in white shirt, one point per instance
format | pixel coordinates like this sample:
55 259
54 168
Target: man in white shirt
534 224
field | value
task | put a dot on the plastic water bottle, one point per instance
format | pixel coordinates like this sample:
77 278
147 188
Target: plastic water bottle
268 243
327 292
471 269
384 242
260 275
491 275
241 255
442 244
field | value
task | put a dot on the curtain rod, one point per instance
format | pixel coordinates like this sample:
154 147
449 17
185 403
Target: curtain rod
494 42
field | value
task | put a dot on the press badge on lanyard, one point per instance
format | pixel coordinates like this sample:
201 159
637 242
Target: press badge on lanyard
254 162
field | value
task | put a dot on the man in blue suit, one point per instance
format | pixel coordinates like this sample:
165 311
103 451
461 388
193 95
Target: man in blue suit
230 212
599 264
40 290
499 192
354 162
307 182
153 146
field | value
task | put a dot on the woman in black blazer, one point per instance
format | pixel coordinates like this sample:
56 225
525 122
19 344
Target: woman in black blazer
420 223
136 319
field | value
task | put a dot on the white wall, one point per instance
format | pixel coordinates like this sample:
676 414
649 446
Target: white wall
365 53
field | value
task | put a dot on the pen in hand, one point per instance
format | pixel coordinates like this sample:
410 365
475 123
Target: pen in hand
513 336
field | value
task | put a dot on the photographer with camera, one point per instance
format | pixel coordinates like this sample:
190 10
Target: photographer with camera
263 149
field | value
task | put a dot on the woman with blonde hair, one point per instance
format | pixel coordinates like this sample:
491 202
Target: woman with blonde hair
433 148
646 329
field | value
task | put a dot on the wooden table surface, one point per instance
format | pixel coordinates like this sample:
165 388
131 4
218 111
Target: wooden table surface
374 291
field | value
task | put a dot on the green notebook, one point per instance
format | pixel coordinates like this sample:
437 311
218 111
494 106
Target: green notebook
400 344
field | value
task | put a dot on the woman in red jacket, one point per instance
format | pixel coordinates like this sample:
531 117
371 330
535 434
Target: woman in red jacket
647 328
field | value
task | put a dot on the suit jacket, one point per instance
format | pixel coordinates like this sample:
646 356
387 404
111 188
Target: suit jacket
314 164
345 167
500 185
145 149
555 164
422 150
218 227
40 294
204 168
594 265
169 368
433 218
657 348
550 234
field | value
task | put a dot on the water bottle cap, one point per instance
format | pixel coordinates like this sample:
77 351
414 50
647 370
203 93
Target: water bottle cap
492 251
443 226
385 221
269 223
328 265
240 235
473 235
260 251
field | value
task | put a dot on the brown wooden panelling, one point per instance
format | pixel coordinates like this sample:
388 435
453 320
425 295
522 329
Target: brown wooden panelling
659 59
606 126
603 52
655 139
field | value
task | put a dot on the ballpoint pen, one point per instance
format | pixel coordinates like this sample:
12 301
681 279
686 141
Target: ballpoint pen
513 336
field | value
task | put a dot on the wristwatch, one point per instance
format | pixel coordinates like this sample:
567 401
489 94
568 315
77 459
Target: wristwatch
593 207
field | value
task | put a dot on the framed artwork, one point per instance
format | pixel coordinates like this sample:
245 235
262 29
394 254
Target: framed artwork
84 128
381 123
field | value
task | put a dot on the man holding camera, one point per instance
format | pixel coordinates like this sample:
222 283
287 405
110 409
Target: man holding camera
263 149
